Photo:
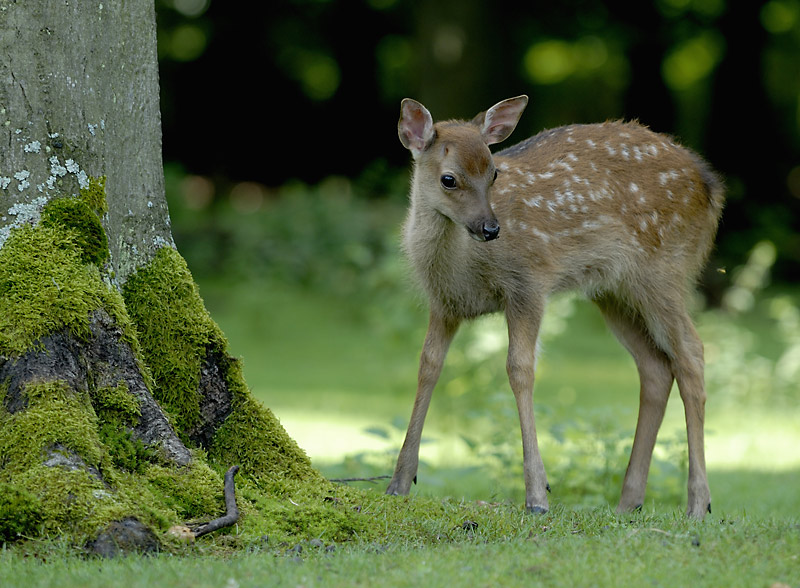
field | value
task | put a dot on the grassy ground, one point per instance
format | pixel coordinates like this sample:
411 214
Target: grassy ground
565 548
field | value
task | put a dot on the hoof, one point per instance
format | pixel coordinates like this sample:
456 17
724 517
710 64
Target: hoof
394 490
537 510
397 488
699 514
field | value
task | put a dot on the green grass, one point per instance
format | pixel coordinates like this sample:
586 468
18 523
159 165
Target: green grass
564 548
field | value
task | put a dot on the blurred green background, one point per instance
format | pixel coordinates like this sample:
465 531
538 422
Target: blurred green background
287 186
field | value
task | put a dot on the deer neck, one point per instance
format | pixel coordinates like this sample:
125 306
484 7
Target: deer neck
451 266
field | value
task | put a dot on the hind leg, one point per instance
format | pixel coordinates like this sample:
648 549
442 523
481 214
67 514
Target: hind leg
671 328
655 376
688 367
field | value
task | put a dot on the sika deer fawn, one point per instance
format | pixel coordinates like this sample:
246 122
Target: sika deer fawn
613 209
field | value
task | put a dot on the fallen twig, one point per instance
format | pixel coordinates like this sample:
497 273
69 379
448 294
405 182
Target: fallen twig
232 511
370 479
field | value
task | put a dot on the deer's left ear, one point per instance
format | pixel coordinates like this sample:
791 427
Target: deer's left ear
501 119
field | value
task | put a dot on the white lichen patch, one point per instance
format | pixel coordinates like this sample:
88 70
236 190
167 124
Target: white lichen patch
56 169
159 242
33 147
71 166
22 177
83 179
25 214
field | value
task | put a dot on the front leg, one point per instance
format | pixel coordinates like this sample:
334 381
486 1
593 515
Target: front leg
441 331
523 329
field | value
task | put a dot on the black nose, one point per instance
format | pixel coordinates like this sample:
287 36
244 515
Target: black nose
491 230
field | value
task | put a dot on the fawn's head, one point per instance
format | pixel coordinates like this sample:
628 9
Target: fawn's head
453 169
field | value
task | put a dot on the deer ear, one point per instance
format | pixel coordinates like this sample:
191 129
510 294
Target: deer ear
500 120
415 127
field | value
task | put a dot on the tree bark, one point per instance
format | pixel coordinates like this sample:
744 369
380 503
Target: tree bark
114 382
79 100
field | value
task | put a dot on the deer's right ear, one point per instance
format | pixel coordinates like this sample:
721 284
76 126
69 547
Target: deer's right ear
415 127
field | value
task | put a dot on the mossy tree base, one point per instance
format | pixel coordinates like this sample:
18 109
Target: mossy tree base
104 367
122 406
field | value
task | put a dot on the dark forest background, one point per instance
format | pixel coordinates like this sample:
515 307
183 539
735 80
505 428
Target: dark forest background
267 93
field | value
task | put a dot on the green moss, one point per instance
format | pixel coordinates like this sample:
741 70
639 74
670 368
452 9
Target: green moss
73 501
20 513
98 486
116 404
175 332
58 420
177 335
87 232
118 412
124 450
103 474
94 195
253 438
192 492
56 415
281 494
45 286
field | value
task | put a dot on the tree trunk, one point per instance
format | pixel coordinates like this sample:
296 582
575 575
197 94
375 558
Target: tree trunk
79 101
112 374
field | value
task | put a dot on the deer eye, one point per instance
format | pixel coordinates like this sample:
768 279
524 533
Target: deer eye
448 181
495 177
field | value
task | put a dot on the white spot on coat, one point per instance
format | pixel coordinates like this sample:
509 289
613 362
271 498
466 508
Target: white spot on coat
533 202
542 235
